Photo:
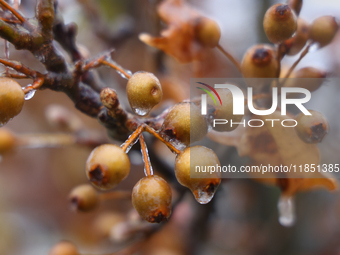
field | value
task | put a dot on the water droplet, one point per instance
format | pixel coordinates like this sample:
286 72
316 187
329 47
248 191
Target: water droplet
286 207
122 74
148 161
30 94
202 196
141 111
314 47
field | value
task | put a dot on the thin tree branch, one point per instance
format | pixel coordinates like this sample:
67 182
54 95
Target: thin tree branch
230 57
5 5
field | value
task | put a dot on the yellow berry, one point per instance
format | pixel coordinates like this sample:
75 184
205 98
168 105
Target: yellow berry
84 198
207 32
107 166
260 62
105 221
151 197
312 128
12 99
203 184
279 23
323 30
184 123
144 91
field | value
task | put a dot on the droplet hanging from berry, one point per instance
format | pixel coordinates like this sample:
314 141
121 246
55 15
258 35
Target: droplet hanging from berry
144 91
201 182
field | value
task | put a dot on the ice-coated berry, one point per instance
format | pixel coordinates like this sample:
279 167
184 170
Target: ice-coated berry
107 166
151 197
184 123
144 91
12 99
203 185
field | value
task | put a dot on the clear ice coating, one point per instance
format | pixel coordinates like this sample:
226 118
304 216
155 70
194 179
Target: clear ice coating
314 47
30 94
128 72
148 160
7 49
202 196
286 207
177 144
130 146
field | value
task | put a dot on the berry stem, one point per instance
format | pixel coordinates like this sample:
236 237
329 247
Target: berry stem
117 68
155 134
115 195
145 154
6 6
36 85
132 138
106 60
303 54
230 57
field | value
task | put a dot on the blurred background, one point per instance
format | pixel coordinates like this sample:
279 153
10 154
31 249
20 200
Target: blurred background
242 218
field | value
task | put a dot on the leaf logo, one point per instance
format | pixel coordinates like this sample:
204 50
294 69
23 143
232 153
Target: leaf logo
209 93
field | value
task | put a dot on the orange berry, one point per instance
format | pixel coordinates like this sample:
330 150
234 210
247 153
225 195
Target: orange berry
203 185
64 248
151 197
84 198
323 30
7 140
298 41
279 23
207 32
12 99
144 91
260 62
107 166
308 77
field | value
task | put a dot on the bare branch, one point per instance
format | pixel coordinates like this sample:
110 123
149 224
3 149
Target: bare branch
20 68
45 16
